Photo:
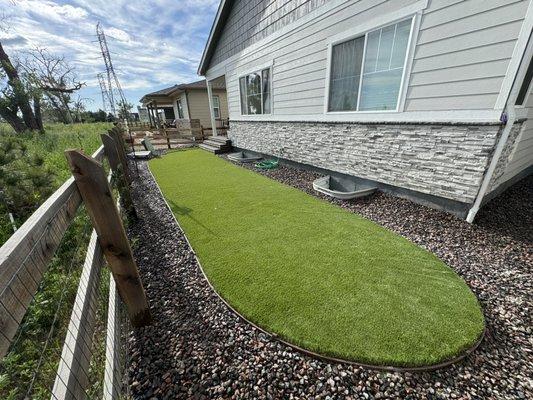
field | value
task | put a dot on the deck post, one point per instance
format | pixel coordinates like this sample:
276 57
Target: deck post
98 198
211 110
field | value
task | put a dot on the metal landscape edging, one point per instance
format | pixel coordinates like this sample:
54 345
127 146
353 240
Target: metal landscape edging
322 357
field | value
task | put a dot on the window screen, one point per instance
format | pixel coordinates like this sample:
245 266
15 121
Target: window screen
384 51
255 92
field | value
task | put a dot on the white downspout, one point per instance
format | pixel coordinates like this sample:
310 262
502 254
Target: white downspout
511 116
525 35
211 110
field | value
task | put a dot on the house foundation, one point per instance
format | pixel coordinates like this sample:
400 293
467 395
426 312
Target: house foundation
440 165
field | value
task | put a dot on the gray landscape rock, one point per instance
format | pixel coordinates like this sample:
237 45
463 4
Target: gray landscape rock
197 348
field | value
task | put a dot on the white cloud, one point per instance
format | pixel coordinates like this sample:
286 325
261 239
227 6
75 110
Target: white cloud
118 34
153 43
52 11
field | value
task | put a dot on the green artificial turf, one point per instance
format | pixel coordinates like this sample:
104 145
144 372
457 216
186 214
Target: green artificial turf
318 276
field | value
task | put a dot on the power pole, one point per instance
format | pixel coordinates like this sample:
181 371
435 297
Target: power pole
113 83
106 100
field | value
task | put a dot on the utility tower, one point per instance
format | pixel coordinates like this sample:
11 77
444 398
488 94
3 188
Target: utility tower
113 84
106 96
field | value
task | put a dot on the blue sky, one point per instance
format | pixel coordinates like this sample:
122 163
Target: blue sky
153 44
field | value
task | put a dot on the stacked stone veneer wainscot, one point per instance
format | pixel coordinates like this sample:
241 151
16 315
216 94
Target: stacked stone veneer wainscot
506 156
442 160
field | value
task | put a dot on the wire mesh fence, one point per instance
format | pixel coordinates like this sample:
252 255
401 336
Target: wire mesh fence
45 349
63 326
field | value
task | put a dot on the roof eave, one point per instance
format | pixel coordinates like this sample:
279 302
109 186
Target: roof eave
220 18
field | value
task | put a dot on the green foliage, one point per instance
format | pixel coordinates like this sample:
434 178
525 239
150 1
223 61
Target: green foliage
38 160
95 116
24 179
124 109
318 276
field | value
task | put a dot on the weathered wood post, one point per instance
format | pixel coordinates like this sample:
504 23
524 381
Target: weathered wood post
112 153
119 145
98 198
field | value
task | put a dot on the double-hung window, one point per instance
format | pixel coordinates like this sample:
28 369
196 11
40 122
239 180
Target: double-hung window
180 108
216 106
255 92
366 72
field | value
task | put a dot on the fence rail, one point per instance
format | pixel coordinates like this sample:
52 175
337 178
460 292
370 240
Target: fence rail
24 259
26 254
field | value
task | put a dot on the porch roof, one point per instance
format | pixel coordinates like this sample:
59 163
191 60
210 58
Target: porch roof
165 95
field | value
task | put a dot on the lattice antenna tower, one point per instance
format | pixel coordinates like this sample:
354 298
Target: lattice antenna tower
106 100
113 83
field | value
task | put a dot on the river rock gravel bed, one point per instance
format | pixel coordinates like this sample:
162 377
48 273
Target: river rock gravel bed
198 348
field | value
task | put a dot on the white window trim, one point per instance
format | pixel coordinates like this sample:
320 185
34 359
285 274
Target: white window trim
528 93
522 48
218 107
179 107
365 29
255 71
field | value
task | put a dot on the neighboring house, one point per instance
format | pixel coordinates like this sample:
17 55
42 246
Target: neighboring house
143 114
404 94
187 101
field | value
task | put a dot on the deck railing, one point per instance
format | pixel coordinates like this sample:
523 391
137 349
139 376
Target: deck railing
25 257
186 131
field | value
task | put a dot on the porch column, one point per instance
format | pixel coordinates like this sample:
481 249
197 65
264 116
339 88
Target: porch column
157 115
211 110
154 123
149 109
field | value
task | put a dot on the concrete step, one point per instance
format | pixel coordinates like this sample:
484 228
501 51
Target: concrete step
211 149
220 139
217 144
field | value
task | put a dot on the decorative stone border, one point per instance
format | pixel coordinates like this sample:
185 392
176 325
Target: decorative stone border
388 368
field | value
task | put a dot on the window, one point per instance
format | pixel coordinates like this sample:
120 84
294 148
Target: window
180 109
216 106
366 72
255 92
524 89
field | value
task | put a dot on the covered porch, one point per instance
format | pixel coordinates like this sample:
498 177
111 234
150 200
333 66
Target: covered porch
160 107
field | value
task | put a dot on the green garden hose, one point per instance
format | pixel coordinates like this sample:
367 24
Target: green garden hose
268 164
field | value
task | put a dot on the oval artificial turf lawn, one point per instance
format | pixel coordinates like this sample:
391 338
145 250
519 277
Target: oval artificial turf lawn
318 276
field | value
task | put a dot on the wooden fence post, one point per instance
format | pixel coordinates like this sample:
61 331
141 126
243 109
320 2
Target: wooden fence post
119 145
97 196
112 154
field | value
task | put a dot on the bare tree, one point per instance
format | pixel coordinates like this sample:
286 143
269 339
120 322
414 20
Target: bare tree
54 79
79 107
15 97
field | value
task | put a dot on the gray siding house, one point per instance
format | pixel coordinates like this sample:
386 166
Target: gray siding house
428 99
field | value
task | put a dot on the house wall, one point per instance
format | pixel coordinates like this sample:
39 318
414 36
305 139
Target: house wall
252 20
199 105
517 156
183 99
461 57
461 54
441 160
